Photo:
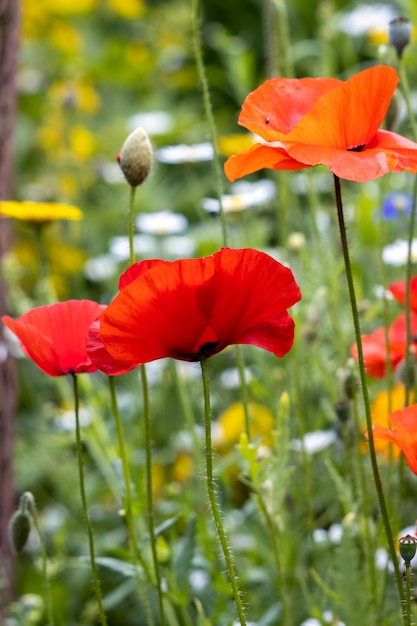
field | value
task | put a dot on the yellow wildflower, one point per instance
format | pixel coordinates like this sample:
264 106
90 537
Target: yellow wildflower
65 38
382 406
230 144
231 424
70 7
129 9
82 142
40 211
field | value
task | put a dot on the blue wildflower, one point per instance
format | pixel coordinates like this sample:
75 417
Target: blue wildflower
395 204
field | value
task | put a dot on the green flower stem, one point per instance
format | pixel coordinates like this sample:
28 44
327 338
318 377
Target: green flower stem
211 488
406 93
96 581
355 316
30 500
365 506
409 382
131 225
409 358
284 42
270 38
128 503
149 494
208 109
407 613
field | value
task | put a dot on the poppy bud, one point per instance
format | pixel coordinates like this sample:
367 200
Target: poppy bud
408 547
342 410
350 385
399 34
20 524
136 157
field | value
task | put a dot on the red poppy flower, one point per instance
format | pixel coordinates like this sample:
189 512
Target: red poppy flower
328 122
375 349
54 336
193 308
95 346
398 291
403 434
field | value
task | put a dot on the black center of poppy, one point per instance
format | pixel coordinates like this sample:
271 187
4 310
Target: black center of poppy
205 350
357 148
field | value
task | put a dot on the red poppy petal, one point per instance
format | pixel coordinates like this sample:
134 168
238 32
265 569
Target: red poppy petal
404 434
374 353
251 290
402 149
405 418
360 167
137 269
349 115
35 345
398 291
101 358
157 314
54 336
276 336
258 157
278 104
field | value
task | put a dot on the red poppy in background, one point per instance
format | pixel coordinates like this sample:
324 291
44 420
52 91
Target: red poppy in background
324 121
191 309
398 291
54 335
403 434
375 350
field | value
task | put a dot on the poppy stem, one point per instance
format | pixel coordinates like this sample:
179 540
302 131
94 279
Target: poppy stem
208 109
131 225
96 581
409 365
218 176
407 614
211 488
149 490
128 503
365 394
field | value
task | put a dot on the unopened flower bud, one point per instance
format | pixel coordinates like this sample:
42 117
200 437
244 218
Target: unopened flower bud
342 410
19 529
136 157
408 547
399 34
350 385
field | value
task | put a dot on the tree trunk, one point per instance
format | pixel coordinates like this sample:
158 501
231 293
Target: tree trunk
9 21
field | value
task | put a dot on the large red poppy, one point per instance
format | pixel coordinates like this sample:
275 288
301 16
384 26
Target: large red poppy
192 309
308 122
54 335
375 351
403 433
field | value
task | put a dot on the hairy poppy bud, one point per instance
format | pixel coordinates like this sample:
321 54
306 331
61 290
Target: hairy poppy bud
136 157
399 34
408 547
